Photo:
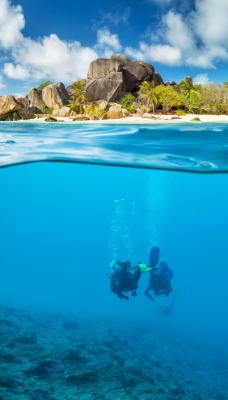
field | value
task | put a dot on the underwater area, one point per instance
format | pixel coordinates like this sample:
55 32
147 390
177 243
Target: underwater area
64 222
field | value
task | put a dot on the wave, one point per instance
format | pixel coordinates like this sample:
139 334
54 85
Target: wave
184 147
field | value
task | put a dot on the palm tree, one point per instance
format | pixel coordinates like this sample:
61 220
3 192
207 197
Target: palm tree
78 96
189 92
186 85
146 90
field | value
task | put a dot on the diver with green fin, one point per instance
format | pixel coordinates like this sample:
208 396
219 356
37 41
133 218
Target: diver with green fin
123 280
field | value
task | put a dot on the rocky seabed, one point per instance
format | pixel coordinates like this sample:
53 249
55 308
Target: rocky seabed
57 356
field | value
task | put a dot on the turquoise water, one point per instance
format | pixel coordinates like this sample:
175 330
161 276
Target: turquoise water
62 226
196 147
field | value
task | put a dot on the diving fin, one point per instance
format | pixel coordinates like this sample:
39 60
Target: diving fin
154 256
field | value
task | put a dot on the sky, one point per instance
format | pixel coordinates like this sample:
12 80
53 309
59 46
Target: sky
47 40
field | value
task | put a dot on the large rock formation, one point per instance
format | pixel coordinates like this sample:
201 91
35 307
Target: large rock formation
27 108
107 88
55 96
101 67
12 109
134 72
35 97
8 105
64 112
108 78
9 108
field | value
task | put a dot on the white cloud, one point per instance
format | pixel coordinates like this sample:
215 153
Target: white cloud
202 35
107 43
210 22
201 79
177 32
11 23
163 54
49 57
55 59
198 38
15 72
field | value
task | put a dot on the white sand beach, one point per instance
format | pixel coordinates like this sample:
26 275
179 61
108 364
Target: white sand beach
169 118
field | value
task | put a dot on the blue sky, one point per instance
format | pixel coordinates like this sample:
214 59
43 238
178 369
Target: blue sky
42 40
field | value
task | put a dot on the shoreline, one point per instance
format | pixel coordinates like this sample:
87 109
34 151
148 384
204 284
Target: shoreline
154 119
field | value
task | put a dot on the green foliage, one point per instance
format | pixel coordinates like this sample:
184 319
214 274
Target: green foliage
190 94
167 97
143 108
214 100
186 85
44 84
94 111
78 97
226 84
147 92
44 108
194 101
180 112
128 102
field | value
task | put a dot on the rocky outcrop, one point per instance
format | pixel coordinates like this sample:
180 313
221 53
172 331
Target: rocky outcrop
81 117
107 88
9 108
50 119
8 105
116 112
28 108
63 112
14 109
101 67
35 97
134 72
55 96
157 79
109 78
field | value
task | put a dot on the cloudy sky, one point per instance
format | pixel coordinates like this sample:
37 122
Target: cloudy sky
41 39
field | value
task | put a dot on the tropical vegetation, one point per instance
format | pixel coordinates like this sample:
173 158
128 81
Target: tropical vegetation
44 109
181 98
94 111
186 97
128 102
44 84
79 97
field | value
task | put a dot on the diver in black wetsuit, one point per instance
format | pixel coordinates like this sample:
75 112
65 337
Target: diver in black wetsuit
123 280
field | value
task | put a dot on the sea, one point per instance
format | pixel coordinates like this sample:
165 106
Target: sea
74 198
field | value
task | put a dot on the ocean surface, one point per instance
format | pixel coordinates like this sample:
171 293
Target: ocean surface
76 197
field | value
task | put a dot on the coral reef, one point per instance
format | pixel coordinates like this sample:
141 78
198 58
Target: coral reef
53 357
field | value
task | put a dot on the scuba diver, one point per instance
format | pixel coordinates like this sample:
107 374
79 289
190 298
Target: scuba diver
123 280
160 281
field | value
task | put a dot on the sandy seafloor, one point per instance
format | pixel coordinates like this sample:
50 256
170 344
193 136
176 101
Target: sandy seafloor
57 356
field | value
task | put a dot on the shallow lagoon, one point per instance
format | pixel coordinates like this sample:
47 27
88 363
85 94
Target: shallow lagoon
63 333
